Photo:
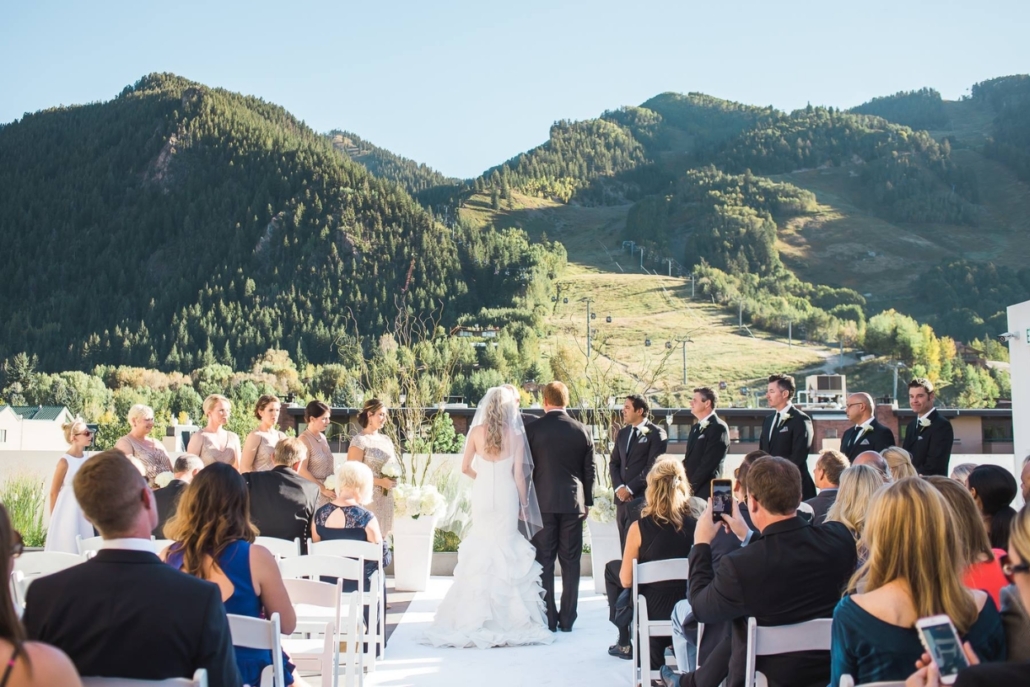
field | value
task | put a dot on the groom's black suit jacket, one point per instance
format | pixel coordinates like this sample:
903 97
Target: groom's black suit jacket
563 463
791 440
877 438
630 467
706 451
930 447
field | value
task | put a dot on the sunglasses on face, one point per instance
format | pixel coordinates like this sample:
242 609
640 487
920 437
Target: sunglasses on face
87 433
1011 569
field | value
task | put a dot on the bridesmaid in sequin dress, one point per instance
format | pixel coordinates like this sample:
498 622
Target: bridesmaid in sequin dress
260 444
214 443
374 449
148 451
320 462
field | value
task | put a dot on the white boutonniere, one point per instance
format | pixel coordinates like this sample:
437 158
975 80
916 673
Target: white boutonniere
924 422
862 432
786 417
645 430
703 426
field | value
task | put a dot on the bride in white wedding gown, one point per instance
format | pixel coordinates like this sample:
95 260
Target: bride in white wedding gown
496 598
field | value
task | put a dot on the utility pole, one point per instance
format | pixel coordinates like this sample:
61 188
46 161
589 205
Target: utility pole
641 258
589 301
684 362
790 334
691 286
669 260
740 315
841 365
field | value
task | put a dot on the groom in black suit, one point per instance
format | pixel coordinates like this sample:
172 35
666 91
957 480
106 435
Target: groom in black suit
929 437
563 474
707 445
636 447
787 433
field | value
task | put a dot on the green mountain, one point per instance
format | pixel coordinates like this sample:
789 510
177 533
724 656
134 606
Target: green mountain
179 225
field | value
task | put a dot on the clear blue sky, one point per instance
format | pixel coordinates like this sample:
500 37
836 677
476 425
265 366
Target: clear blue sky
465 85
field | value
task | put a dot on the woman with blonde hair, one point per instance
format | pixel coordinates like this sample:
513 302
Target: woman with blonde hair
260 445
66 518
373 448
214 443
138 443
665 530
858 484
910 573
900 462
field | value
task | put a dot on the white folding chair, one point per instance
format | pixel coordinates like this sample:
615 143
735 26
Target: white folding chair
812 635
199 679
255 633
643 628
848 681
280 548
376 602
38 563
323 656
87 544
315 566
14 583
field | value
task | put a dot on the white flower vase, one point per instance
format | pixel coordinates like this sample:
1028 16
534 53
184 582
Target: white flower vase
412 552
604 547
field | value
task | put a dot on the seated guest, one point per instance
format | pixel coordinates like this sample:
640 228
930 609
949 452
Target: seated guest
827 480
27 664
665 530
1024 480
875 460
346 517
792 573
858 484
157 623
282 502
184 469
910 574
960 473
993 488
214 541
982 564
899 461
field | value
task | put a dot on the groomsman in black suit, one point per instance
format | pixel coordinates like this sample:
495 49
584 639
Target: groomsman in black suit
867 434
929 437
636 447
184 470
707 445
125 613
787 433
563 474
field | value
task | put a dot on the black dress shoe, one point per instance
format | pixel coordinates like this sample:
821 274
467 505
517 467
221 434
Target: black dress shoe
670 678
619 651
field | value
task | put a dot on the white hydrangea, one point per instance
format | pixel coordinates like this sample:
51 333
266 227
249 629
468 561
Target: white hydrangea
603 510
163 479
413 501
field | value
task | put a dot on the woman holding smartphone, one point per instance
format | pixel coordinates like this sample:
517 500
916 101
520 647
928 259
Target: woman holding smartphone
911 573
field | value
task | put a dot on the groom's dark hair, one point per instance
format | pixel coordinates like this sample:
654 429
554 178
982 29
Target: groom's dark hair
639 403
556 394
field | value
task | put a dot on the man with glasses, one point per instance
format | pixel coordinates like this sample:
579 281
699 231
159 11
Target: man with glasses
866 432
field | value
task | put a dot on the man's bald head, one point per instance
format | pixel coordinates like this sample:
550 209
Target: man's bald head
874 460
860 407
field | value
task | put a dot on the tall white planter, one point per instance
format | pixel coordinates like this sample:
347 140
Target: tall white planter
604 547
412 552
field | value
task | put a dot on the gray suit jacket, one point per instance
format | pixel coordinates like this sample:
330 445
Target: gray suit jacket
1017 624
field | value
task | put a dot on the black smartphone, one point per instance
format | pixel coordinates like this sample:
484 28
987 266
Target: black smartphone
722 498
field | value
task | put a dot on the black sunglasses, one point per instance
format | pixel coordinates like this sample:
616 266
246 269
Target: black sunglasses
1011 569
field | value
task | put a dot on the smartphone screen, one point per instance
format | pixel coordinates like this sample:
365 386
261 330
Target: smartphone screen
944 646
722 498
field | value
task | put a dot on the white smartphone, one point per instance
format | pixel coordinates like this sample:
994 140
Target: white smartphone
944 646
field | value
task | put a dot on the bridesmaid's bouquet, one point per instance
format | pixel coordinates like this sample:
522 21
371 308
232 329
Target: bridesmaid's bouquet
413 501
603 510
391 470
163 479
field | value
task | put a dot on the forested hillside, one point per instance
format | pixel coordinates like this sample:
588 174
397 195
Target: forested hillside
179 225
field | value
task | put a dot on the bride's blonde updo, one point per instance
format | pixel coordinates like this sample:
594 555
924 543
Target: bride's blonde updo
495 417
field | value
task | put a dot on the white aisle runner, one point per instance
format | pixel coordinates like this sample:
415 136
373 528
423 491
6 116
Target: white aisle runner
575 658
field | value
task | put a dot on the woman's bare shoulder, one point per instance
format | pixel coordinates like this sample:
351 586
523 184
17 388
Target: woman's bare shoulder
50 666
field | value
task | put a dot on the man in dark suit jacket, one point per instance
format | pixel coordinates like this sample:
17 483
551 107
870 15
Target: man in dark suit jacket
563 474
792 573
282 502
707 445
636 447
867 433
828 470
125 613
929 437
184 470
787 433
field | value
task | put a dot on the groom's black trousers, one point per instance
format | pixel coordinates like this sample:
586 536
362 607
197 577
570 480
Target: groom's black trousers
561 538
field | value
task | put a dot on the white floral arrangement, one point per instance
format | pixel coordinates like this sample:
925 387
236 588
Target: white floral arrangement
603 510
413 501
163 479
391 470
330 482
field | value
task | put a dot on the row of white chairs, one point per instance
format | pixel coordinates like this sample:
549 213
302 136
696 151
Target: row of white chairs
813 635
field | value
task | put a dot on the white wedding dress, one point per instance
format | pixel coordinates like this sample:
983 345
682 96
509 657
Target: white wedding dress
496 598
67 520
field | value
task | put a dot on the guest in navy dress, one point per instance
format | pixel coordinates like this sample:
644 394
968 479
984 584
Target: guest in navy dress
345 517
912 572
214 541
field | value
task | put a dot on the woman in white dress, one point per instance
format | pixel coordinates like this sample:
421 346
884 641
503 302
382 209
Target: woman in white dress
496 598
66 518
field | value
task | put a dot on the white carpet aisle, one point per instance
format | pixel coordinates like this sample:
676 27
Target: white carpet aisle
575 658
